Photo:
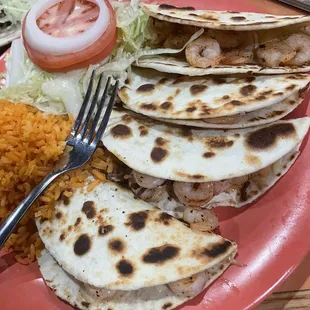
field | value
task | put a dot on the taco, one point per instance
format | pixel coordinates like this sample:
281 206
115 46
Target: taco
232 42
213 101
118 252
177 168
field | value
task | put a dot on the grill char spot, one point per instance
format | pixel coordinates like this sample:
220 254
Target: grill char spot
89 209
167 305
191 109
148 106
121 131
196 89
208 154
124 267
220 143
172 7
217 249
82 245
146 88
166 105
137 220
58 215
158 154
78 221
104 230
243 191
164 218
264 138
116 245
85 304
248 90
159 255
238 18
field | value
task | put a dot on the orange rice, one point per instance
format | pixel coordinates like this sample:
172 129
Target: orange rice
30 144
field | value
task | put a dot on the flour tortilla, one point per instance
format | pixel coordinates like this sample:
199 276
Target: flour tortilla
265 26
108 239
167 96
170 64
222 20
250 119
73 291
193 155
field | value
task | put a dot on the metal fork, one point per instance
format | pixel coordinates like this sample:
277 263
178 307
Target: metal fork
83 140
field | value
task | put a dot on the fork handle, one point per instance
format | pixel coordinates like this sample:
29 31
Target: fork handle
10 223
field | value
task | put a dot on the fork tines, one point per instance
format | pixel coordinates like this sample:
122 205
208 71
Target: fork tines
85 129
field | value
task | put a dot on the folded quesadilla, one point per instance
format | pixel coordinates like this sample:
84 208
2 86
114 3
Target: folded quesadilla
177 168
118 252
232 42
213 101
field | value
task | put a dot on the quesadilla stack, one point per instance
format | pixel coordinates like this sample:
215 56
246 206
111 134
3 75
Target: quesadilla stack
178 168
107 250
231 42
213 101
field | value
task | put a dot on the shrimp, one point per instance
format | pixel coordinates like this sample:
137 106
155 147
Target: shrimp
300 43
203 52
275 53
237 57
147 194
226 39
193 194
147 181
200 219
176 41
190 287
226 186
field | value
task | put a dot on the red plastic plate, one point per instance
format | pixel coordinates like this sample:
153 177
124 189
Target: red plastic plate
272 234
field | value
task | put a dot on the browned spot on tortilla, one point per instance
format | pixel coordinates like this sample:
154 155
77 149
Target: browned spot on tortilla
267 137
104 230
162 81
218 80
197 89
217 249
89 209
164 218
127 118
192 14
65 199
209 17
148 106
237 135
248 90
186 133
278 174
250 79
252 160
167 306
160 141
137 220
219 142
238 18
236 102
121 131
116 245
197 176
243 191
177 91
161 254
85 304
146 88
191 109
172 7
58 215
127 81
225 97
77 222
82 245
143 133
62 237
158 154
69 227
125 268
208 154
166 105
291 87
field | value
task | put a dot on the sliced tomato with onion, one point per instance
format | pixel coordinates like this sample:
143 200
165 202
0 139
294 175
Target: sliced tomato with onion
60 36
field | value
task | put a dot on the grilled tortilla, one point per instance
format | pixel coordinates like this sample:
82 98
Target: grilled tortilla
253 30
175 97
74 292
106 238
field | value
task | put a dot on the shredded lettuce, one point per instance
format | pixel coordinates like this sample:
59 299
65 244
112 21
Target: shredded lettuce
15 10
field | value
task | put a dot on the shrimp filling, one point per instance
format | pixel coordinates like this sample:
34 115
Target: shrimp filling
226 47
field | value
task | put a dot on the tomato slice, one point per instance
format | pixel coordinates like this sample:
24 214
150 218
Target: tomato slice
68 18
